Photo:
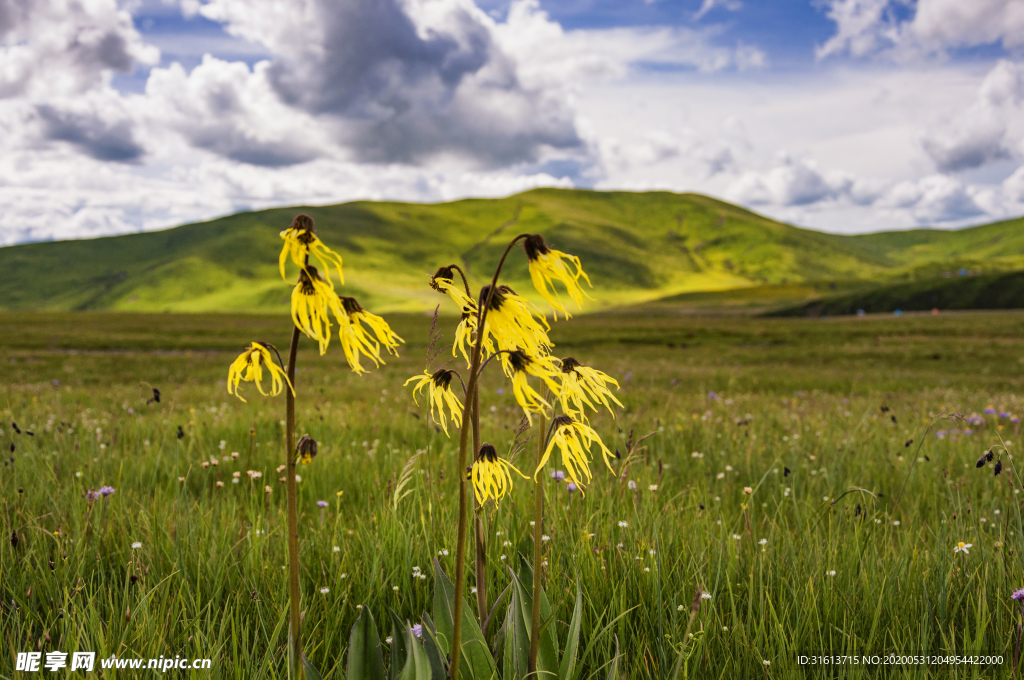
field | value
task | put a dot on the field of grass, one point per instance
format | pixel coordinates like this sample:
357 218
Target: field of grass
639 247
850 552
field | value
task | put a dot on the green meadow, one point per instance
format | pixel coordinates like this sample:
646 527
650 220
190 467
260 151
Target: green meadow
849 552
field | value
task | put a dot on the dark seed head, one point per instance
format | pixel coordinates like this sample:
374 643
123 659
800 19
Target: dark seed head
981 461
134 579
535 246
351 305
907 443
442 273
561 421
999 466
303 224
569 364
487 453
156 395
15 426
519 360
497 299
700 505
989 456
181 432
442 379
306 448
14 540
786 471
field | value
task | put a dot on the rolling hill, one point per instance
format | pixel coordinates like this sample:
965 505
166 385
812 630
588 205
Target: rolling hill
637 248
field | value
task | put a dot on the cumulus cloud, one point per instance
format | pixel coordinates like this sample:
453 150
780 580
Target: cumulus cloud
982 133
97 133
907 28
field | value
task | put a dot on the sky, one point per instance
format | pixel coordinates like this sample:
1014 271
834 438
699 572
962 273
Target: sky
847 116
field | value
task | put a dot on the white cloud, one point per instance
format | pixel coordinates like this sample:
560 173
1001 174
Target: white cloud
865 27
708 5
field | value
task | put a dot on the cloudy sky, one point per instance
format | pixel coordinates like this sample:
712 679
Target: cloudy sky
842 115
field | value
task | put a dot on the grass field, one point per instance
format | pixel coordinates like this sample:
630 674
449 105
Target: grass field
802 565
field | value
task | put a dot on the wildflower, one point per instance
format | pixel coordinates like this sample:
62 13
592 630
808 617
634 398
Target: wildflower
490 474
234 455
1018 595
355 339
747 490
962 547
631 484
439 394
570 487
268 490
737 536
325 590
321 504
786 492
417 630
705 596
679 608
990 410
306 449
652 487
574 441
581 384
312 298
548 266
443 552
249 367
389 638
721 475
219 484
513 322
623 524
557 474
280 468
896 523
830 573
763 541
254 474
519 365
336 549
766 662
545 538
136 545
301 241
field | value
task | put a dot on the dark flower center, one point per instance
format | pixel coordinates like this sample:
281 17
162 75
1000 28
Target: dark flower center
569 365
561 421
497 299
350 305
535 246
519 360
306 278
487 453
442 379
441 273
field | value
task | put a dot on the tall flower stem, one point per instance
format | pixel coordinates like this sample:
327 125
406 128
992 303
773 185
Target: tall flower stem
481 544
467 424
538 533
294 636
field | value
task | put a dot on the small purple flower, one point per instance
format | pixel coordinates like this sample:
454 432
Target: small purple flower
990 410
417 630
91 495
105 491
712 395
558 474
1018 595
1004 414
571 487
968 431
322 504
941 434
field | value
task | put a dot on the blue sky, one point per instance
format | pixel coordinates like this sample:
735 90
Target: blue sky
842 115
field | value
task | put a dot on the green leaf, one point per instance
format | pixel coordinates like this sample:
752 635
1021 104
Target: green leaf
477 662
398 651
438 661
364 656
572 642
547 656
516 657
613 667
311 672
417 665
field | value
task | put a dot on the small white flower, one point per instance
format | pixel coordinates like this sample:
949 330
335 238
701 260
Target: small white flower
473 590
343 576
442 552
705 596
394 588
506 543
223 445
725 629
78 474
697 454
647 569
878 521
631 484
136 545
623 524
388 639
652 487
336 549
679 608
533 524
896 523
652 552
996 512
728 468
720 475
763 541
324 590
786 492
737 536
962 547
234 480
983 520
747 490
830 573
766 662
504 557
718 498
545 538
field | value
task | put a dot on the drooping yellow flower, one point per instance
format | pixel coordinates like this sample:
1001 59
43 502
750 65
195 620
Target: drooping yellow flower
581 384
443 281
519 365
574 440
356 339
490 475
249 367
439 394
548 266
311 300
301 242
514 322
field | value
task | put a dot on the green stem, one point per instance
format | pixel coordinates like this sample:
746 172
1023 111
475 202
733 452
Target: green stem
538 532
294 634
481 545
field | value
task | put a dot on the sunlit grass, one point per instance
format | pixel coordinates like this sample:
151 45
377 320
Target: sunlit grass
802 395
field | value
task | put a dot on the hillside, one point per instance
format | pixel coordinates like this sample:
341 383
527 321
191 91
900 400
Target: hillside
637 247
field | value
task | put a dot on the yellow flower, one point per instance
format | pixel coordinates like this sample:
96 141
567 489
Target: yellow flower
443 281
249 367
356 339
440 394
573 440
519 365
548 266
514 322
301 241
311 300
581 384
490 475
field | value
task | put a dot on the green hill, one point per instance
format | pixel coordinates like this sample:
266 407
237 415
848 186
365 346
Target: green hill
637 247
